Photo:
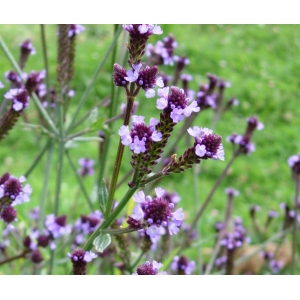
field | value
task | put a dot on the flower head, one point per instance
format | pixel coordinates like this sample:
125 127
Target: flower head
79 259
19 97
149 269
176 104
86 166
152 213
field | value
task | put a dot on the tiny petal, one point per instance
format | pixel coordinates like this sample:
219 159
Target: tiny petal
150 93
156 136
139 197
161 103
159 192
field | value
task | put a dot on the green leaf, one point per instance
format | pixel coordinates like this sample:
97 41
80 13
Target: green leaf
102 241
98 124
103 197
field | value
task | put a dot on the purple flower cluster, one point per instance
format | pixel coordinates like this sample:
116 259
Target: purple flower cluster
175 104
12 193
87 166
207 145
235 239
86 225
26 48
149 268
244 141
162 52
141 136
276 265
79 259
182 265
19 97
152 213
15 80
144 77
139 35
34 83
75 29
294 163
57 226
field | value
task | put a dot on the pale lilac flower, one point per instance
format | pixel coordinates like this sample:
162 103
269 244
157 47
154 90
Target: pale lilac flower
1 85
150 29
125 135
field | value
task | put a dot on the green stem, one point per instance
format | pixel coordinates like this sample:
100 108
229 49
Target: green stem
79 179
82 132
111 218
45 55
38 158
221 235
61 153
119 157
87 115
137 260
209 197
89 87
294 243
45 189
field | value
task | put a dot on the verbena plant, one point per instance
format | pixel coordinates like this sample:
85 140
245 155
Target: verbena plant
142 229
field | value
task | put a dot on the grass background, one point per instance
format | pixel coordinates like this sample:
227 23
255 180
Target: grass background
261 63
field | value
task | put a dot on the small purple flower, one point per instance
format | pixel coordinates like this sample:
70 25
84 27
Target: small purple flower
141 135
232 192
19 98
276 265
221 261
294 163
143 29
79 259
273 214
175 104
57 225
207 145
1 85
75 29
15 79
150 269
34 213
12 188
87 166
151 214
27 46
182 265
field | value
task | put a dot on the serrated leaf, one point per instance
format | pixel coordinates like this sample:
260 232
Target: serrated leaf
103 196
101 242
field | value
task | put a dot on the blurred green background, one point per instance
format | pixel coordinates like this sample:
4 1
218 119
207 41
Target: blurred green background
260 61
